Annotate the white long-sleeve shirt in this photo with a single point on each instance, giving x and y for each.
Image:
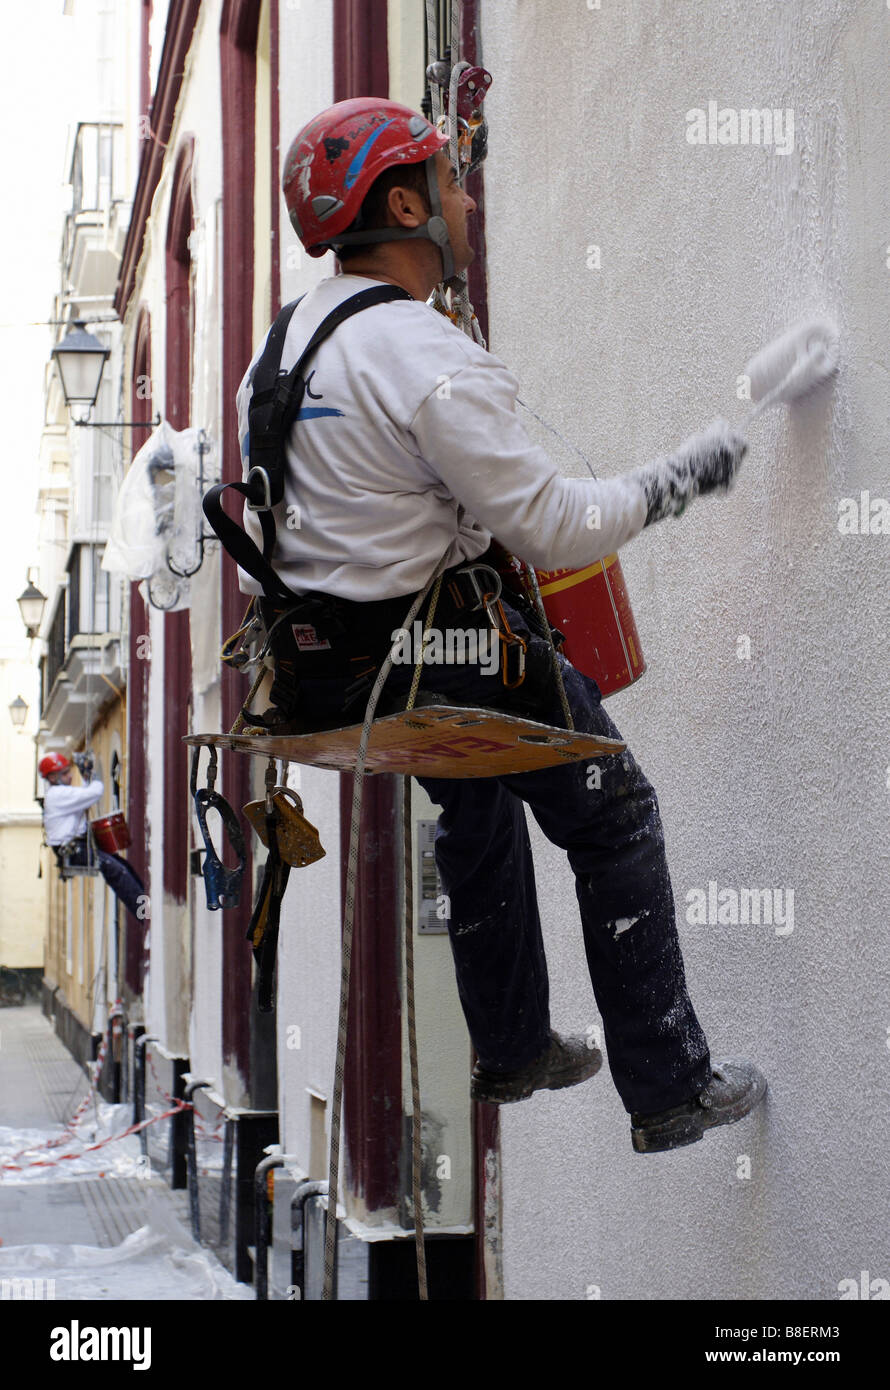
(63, 810)
(407, 444)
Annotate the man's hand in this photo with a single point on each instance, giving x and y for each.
(706, 462)
(84, 764)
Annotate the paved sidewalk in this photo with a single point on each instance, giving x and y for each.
(40, 1087)
(88, 1205)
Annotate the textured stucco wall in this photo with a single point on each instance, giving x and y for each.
(308, 969)
(184, 946)
(771, 771)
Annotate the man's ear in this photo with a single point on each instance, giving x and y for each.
(404, 200)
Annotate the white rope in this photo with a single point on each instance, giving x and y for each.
(453, 120)
(432, 54)
(416, 1107)
(457, 16)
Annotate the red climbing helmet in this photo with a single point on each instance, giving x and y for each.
(336, 157)
(53, 762)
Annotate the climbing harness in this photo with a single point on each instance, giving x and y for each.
(273, 410)
(222, 885)
(77, 858)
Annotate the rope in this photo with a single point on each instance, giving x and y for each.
(346, 951)
(432, 44)
(416, 1109)
(457, 14)
(415, 682)
(240, 720)
(453, 118)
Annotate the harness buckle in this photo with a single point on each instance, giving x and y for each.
(266, 504)
(487, 595)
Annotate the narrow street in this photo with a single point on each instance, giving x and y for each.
(96, 1226)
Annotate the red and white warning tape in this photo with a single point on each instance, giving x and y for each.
(71, 1126)
(88, 1148)
(200, 1126)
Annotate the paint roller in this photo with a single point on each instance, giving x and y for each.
(791, 366)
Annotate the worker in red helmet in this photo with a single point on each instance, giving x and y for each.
(404, 450)
(67, 829)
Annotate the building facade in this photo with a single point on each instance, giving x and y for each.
(614, 250)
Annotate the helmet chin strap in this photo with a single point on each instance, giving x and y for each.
(435, 230)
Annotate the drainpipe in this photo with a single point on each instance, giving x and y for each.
(192, 1158)
(139, 1085)
(302, 1195)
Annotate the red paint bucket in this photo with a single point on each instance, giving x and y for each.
(591, 607)
(111, 834)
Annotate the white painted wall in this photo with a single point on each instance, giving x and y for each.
(196, 948)
(772, 771)
(306, 86)
(308, 963)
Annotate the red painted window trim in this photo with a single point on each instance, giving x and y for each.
(177, 635)
(181, 18)
(239, 24)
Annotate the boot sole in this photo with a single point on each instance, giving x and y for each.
(492, 1090)
(688, 1129)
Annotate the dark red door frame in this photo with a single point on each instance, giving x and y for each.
(361, 51)
(239, 24)
(177, 636)
(275, 129)
(373, 1090)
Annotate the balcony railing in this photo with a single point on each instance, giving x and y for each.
(86, 606)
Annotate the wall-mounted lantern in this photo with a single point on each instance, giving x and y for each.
(80, 359)
(18, 712)
(31, 605)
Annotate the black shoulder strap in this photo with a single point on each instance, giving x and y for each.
(274, 403)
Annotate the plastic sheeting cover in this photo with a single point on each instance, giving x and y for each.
(157, 517)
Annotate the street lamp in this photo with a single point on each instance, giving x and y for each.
(18, 711)
(81, 360)
(32, 603)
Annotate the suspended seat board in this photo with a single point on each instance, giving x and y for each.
(430, 741)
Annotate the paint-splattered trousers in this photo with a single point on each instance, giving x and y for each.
(613, 838)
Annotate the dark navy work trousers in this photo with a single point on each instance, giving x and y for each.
(120, 876)
(610, 828)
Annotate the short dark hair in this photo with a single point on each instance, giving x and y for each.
(373, 210)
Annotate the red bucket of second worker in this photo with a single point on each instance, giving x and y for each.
(111, 834)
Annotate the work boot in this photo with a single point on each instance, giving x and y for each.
(564, 1063)
(735, 1087)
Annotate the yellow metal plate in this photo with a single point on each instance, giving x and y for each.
(434, 741)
